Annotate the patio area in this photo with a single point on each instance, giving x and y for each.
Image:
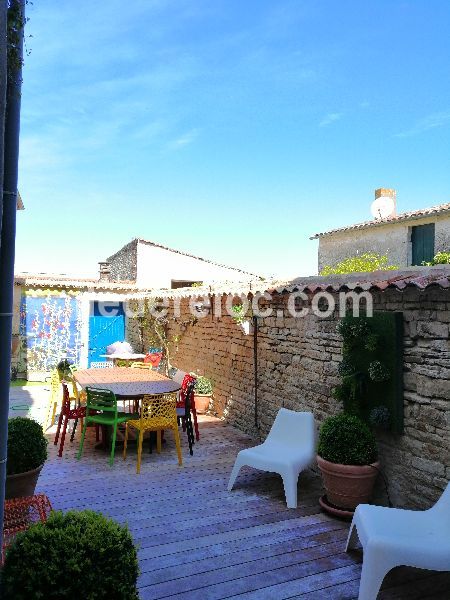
(197, 540)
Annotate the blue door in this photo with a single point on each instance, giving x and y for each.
(106, 326)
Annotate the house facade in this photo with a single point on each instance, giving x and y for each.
(152, 265)
(59, 317)
(407, 239)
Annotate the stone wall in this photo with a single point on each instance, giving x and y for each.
(297, 368)
(123, 264)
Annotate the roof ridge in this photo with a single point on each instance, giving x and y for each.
(418, 213)
(212, 262)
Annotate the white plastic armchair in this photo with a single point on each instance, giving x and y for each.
(289, 448)
(393, 537)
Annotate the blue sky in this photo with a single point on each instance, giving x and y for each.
(232, 130)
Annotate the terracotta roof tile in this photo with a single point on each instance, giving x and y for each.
(441, 209)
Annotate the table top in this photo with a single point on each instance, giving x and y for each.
(127, 382)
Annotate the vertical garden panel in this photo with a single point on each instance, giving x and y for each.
(372, 369)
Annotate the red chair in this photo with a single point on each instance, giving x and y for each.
(182, 399)
(79, 412)
(154, 358)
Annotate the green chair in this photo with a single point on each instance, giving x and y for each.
(101, 409)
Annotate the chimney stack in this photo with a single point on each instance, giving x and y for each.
(105, 271)
(386, 192)
(385, 204)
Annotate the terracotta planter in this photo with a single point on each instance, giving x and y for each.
(22, 484)
(202, 402)
(348, 485)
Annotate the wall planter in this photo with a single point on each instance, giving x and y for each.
(22, 484)
(246, 327)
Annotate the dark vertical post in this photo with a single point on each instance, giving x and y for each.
(8, 228)
(255, 364)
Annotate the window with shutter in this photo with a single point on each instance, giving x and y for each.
(422, 242)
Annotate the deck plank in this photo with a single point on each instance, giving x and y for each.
(197, 540)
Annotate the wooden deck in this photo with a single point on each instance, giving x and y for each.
(196, 540)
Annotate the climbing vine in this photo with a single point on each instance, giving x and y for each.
(154, 329)
(16, 25)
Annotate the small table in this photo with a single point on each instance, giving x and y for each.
(126, 382)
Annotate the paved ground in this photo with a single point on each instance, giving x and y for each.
(29, 401)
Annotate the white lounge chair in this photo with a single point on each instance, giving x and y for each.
(289, 448)
(392, 537)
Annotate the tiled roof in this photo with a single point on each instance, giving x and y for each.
(421, 278)
(221, 288)
(432, 211)
(417, 277)
(65, 281)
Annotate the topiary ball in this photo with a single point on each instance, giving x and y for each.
(72, 556)
(27, 445)
(346, 440)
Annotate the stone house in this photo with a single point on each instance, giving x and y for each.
(408, 239)
(152, 265)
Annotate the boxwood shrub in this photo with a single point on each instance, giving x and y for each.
(27, 445)
(203, 385)
(346, 440)
(79, 554)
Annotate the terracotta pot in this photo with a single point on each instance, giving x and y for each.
(348, 485)
(22, 484)
(202, 402)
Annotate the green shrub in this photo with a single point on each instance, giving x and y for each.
(346, 440)
(441, 258)
(71, 556)
(363, 263)
(27, 445)
(239, 313)
(63, 368)
(354, 330)
(378, 371)
(203, 385)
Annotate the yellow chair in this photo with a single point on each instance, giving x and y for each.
(55, 398)
(141, 365)
(157, 414)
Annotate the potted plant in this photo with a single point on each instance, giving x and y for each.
(240, 317)
(63, 368)
(202, 394)
(27, 452)
(347, 459)
(79, 554)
